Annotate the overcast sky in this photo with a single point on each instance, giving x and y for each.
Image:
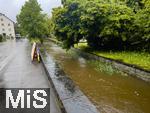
(12, 7)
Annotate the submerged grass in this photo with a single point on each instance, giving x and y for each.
(106, 68)
(140, 59)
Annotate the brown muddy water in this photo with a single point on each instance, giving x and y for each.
(111, 93)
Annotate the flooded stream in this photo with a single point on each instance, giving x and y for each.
(111, 93)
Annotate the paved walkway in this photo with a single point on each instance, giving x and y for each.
(17, 70)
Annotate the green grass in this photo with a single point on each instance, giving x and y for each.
(140, 59)
(32, 40)
(81, 45)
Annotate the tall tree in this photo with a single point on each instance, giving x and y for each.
(104, 24)
(31, 20)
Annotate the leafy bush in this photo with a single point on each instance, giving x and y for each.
(142, 34)
(107, 25)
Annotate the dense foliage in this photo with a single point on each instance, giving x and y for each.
(31, 21)
(105, 25)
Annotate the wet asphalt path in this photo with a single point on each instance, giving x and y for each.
(17, 70)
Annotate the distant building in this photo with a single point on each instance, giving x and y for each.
(7, 26)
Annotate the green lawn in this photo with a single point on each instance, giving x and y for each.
(141, 59)
(36, 40)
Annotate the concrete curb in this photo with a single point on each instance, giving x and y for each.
(70, 98)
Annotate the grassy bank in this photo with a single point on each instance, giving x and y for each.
(140, 59)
